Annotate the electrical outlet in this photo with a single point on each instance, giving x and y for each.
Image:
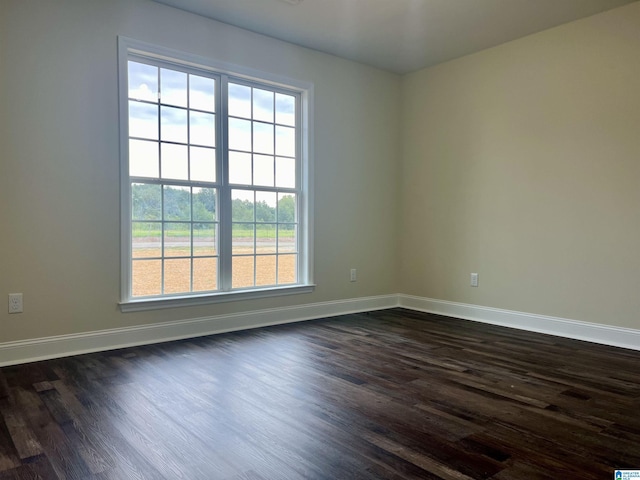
(474, 279)
(354, 276)
(15, 303)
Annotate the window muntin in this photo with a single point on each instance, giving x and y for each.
(181, 243)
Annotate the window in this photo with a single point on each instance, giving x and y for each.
(215, 182)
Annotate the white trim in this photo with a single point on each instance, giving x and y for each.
(125, 187)
(24, 351)
(156, 303)
(138, 47)
(562, 327)
(306, 205)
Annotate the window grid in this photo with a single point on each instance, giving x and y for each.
(280, 256)
(276, 250)
(255, 254)
(165, 227)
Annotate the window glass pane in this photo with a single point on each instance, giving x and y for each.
(266, 270)
(286, 208)
(143, 82)
(146, 202)
(146, 240)
(177, 275)
(205, 274)
(286, 238)
(242, 272)
(203, 164)
(143, 159)
(203, 129)
(175, 163)
(143, 120)
(239, 100)
(202, 93)
(265, 238)
(173, 127)
(262, 105)
(204, 204)
(266, 203)
(285, 172)
(240, 168)
(242, 206)
(239, 134)
(263, 170)
(287, 266)
(285, 109)
(262, 138)
(173, 87)
(204, 239)
(177, 239)
(286, 141)
(177, 203)
(243, 238)
(146, 277)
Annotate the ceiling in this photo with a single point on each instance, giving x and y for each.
(396, 35)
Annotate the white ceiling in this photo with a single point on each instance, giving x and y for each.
(396, 35)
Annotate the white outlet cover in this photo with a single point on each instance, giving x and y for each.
(15, 303)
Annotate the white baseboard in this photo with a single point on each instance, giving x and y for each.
(24, 351)
(590, 332)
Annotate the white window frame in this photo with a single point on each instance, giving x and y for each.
(127, 47)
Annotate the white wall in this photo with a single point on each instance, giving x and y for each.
(59, 183)
(522, 163)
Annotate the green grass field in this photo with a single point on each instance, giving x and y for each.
(142, 232)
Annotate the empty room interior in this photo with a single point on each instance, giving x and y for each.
(323, 239)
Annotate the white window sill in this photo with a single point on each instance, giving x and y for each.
(157, 303)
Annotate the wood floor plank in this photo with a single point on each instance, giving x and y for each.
(59, 449)
(4, 386)
(22, 436)
(393, 394)
(8, 454)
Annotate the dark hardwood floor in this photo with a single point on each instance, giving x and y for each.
(387, 395)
